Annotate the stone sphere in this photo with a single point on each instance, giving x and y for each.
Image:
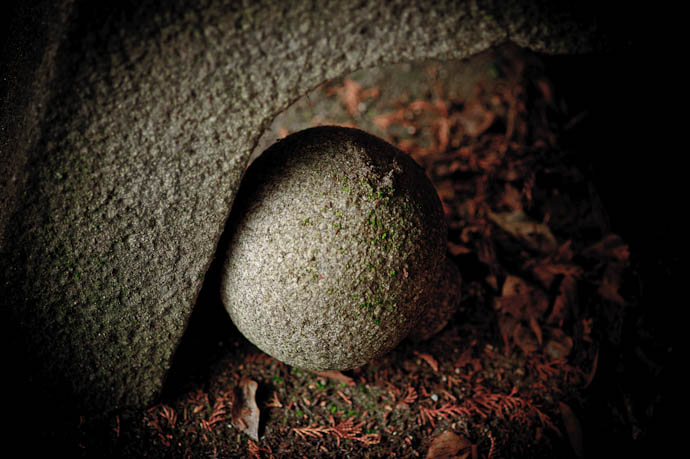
(337, 247)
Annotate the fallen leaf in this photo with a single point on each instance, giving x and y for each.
(507, 325)
(475, 119)
(546, 91)
(590, 376)
(565, 251)
(447, 445)
(524, 339)
(336, 376)
(445, 190)
(458, 249)
(513, 305)
(421, 105)
(559, 345)
(534, 326)
(511, 197)
(611, 282)
(490, 280)
(521, 300)
(547, 271)
(514, 285)
(610, 246)
(370, 93)
(428, 359)
(443, 126)
(536, 236)
(514, 297)
(384, 120)
(565, 302)
(351, 94)
(409, 146)
(573, 429)
(245, 412)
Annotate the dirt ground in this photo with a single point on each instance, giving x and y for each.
(537, 361)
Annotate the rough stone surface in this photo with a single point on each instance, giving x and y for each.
(338, 244)
(126, 128)
(444, 303)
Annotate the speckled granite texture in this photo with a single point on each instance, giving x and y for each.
(444, 303)
(125, 129)
(338, 244)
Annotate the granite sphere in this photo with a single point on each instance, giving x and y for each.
(337, 247)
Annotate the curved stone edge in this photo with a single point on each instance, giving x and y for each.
(112, 214)
(438, 314)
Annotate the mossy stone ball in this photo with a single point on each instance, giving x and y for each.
(337, 245)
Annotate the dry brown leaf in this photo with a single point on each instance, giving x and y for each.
(513, 285)
(573, 429)
(521, 306)
(565, 302)
(491, 281)
(428, 359)
(534, 326)
(443, 134)
(590, 376)
(441, 107)
(370, 93)
(565, 251)
(514, 297)
(546, 91)
(384, 120)
(521, 300)
(448, 445)
(506, 326)
(409, 146)
(536, 236)
(458, 249)
(610, 246)
(538, 303)
(524, 339)
(468, 232)
(445, 190)
(546, 271)
(349, 95)
(611, 282)
(511, 197)
(245, 412)
(475, 119)
(514, 305)
(336, 376)
(559, 344)
(421, 105)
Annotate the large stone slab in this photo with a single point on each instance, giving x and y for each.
(125, 133)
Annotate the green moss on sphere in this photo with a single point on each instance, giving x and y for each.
(338, 244)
